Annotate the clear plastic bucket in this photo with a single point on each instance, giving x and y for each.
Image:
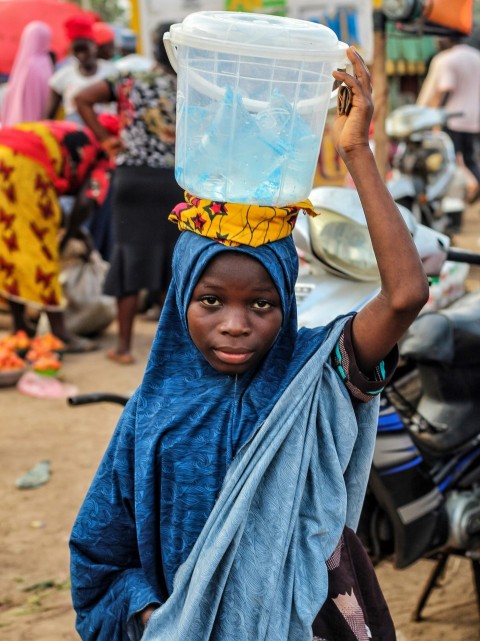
(253, 96)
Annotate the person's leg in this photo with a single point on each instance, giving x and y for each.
(469, 154)
(20, 322)
(464, 144)
(73, 343)
(57, 326)
(126, 310)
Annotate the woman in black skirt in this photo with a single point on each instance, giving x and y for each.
(144, 187)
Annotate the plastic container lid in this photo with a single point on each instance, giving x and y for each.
(255, 34)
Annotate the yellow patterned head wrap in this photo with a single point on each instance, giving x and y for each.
(236, 224)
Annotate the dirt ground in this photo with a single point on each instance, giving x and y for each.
(35, 524)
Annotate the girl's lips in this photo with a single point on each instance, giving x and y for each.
(232, 357)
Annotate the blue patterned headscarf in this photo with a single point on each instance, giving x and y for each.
(192, 255)
(199, 457)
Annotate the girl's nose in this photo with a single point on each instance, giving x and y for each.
(235, 322)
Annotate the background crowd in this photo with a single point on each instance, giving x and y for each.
(115, 198)
(105, 98)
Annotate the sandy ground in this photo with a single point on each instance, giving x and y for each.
(35, 524)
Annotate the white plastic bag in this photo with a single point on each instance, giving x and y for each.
(89, 311)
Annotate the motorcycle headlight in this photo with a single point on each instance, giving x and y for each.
(343, 245)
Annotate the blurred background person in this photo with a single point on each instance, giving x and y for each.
(104, 37)
(144, 185)
(85, 70)
(427, 95)
(38, 162)
(127, 42)
(453, 82)
(100, 225)
(27, 91)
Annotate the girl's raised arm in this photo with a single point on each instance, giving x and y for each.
(404, 287)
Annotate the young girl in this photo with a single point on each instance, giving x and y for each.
(220, 508)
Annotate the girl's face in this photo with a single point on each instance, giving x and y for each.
(235, 313)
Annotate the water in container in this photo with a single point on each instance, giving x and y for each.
(253, 95)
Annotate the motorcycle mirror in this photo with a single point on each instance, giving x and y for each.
(346, 202)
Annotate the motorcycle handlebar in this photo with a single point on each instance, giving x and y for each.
(97, 397)
(463, 256)
(455, 114)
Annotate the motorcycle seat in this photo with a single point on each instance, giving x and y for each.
(449, 336)
(451, 423)
(445, 347)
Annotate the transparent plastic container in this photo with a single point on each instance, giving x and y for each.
(253, 96)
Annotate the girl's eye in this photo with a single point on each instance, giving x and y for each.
(210, 301)
(262, 304)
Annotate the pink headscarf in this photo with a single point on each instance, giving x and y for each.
(27, 91)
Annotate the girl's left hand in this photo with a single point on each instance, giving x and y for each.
(350, 132)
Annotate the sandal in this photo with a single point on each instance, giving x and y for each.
(122, 359)
(79, 345)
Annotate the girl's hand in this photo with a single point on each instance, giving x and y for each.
(350, 132)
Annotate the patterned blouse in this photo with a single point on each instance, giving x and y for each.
(146, 107)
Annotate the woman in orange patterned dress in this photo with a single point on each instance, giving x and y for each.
(39, 162)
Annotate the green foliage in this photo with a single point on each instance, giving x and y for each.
(108, 10)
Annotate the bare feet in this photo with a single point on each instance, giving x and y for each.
(124, 358)
(79, 345)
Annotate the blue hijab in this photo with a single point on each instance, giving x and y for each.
(193, 452)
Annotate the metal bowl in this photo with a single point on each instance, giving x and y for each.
(10, 377)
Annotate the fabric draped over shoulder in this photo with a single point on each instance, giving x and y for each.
(221, 497)
(257, 571)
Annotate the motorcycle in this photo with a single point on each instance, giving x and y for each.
(423, 497)
(425, 175)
